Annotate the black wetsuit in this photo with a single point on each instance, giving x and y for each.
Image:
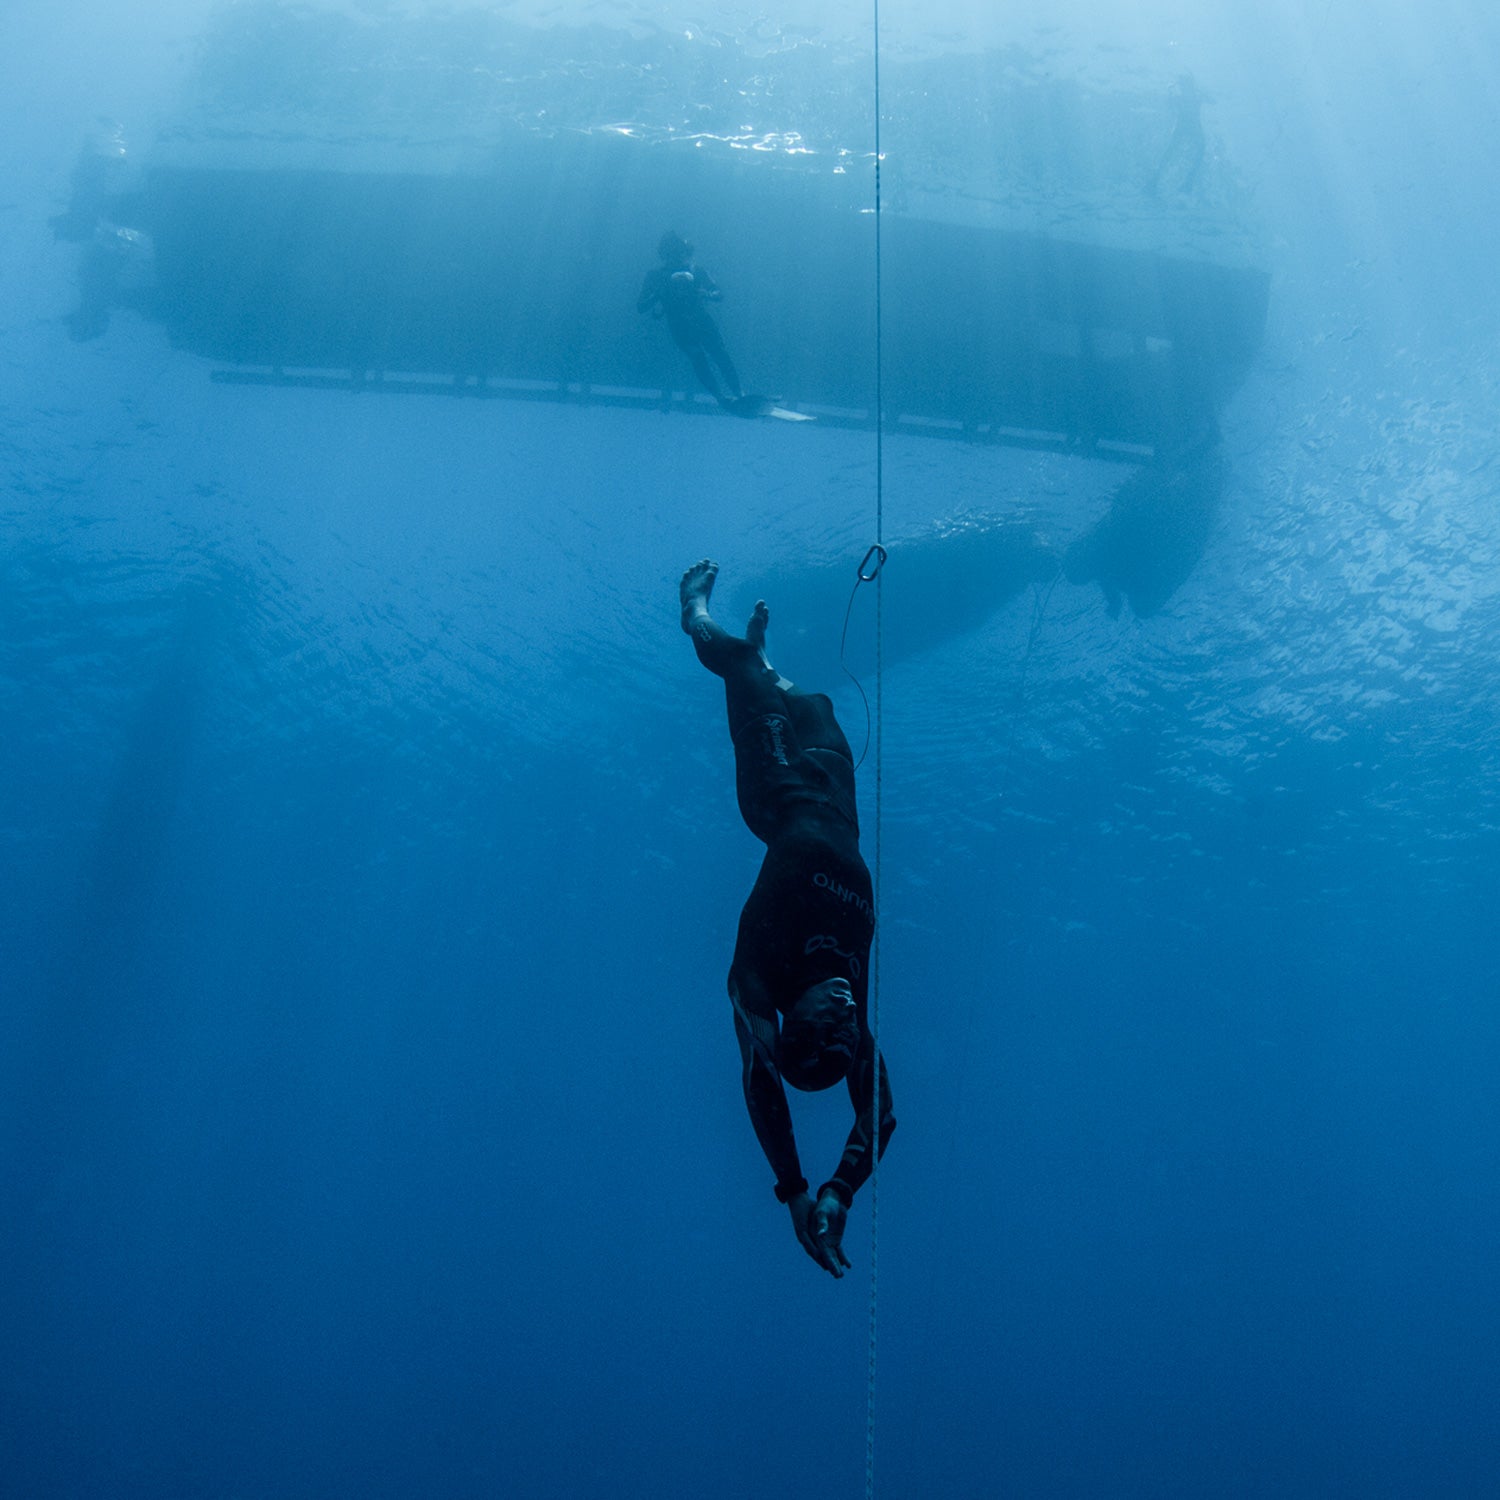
(811, 914)
(678, 293)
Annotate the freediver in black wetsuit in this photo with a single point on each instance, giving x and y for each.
(677, 291)
(799, 981)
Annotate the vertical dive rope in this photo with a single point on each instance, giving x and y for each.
(876, 552)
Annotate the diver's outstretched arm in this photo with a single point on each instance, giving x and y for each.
(765, 1098)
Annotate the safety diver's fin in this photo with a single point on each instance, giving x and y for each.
(764, 406)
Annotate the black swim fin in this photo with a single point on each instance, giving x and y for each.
(764, 406)
(750, 406)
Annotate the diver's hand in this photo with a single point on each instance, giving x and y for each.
(828, 1220)
(802, 1211)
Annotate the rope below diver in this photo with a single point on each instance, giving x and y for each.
(875, 1093)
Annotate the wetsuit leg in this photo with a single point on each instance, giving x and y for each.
(689, 337)
(705, 374)
(823, 742)
(750, 682)
(713, 342)
(771, 774)
(817, 729)
(753, 687)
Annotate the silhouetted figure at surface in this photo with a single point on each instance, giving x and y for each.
(1182, 160)
(116, 264)
(1152, 537)
(98, 178)
(678, 291)
(799, 981)
(116, 269)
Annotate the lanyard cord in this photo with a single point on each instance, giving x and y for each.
(877, 551)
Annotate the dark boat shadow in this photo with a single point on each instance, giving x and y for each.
(1152, 537)
(942, 585)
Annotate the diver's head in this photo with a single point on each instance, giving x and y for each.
(819, 1036)
(673, 249)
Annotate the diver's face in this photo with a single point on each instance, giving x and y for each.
(830, 1000)
(830, 1008)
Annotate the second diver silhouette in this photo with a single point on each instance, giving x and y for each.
(679, 291)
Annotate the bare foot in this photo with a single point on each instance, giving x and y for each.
(755, 631)
(696, 589)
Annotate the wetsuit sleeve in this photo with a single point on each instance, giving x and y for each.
(765, 1097)
(708, 288)
(856, 1162)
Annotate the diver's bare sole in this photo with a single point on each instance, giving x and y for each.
(755, 631)
(696, 589)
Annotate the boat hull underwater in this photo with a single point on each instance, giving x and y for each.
(1079, 280)
(523, 283)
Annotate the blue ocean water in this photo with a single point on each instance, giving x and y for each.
(369, 1108)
